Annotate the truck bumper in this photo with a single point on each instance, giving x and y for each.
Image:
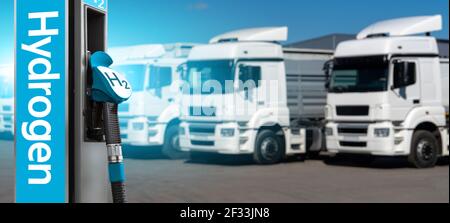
(140, 132)
(344, 141)
(207, 137)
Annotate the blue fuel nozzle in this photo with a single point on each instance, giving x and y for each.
(108, 84)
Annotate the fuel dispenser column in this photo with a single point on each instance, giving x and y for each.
(89, 179)
(65, 126)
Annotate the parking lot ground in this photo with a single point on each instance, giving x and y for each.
(6, 171)
(152, 178)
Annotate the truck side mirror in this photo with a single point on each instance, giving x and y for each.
(404, 74)
(328, 70)
(182, 69)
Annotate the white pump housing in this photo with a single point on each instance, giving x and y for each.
(403, 26)
(267, 34)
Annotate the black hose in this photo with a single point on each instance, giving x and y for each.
(113, 141)
(119, 193)
(111, 122)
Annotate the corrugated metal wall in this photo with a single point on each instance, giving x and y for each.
(306, 91)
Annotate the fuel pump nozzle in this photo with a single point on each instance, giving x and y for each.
(111, 88)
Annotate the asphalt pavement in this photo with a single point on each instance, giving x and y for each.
(153, 178)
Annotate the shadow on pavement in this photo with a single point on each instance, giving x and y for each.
(235, 160)
(349, 160)
(364, 161)
(443, 161)
(220, 159)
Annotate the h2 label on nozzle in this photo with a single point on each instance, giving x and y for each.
(117, 82)
(108, 84)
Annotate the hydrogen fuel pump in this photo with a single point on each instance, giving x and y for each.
(110, 88)
(65, 109)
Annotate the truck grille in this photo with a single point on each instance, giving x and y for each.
(358, 131)
(352, 110)
(202, 143)
(7, 108)
(123, 122)
(210, 130)
(202, 112)
(353, 144)
(353, 129)
(123, 125)
(8, 119)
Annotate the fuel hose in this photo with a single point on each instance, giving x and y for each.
(115, 157)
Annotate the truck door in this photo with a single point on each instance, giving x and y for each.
(405, 87)
(248, 83)
(160, 81)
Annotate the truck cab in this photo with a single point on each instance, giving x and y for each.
(235, 98)
(7, 99)
(388, 93)
(151, 117)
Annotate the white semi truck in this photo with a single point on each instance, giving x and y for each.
(388, 93)
(151, 117)
(245, 94)
(7, 99)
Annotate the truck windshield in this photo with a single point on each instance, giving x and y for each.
(135, 74)
(160, 77)
(6, 89)
(363, 74)
(217, 73)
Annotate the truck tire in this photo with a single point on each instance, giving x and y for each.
(269, 150)
(171, 147)
(424, 150)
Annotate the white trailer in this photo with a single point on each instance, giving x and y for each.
(7, 99)
(151, 117)
(388, 93)
(245, 94)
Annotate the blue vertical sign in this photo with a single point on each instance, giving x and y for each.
(98, 4)
(41, 137)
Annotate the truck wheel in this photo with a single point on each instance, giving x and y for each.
(171, 147)
(424, 150)
(269, 149)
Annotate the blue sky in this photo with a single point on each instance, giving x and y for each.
(165, 21)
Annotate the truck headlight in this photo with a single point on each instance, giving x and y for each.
(152, 133)
(329, 131)
(227, 132)
(138, 126)
(382, 132)
(243, 140)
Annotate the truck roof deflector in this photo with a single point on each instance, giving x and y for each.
(149, 51)
(404, 26)
(268, 34)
